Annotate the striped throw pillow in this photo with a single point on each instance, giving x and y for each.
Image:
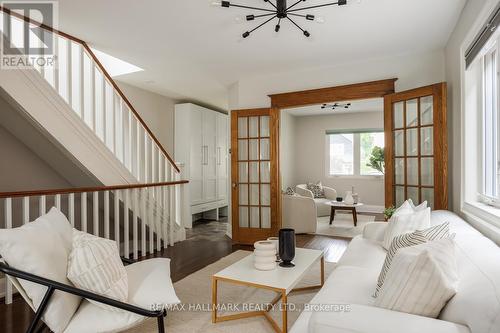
(94, 264)
(421, 280)
(415, 238)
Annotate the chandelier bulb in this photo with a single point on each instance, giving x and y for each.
(216, 3)
(319, 19)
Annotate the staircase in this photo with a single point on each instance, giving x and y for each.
(81, 107)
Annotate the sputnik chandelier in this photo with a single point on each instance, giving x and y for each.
(280, 11)
(336, 106)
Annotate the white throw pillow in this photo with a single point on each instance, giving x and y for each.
(421, 279)
(95, 265)
(410, 239)
(404, 221)
(420, 207)
(42, 248)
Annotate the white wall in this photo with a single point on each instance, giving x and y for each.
(310, 156)
(156, 110)
(473, 16)
(287, 149)
(22, 170)
(412, 70)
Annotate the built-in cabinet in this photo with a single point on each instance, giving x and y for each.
(201, 144)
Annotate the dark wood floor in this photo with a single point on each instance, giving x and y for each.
(205, 244)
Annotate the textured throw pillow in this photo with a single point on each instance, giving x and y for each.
(421, 280)
(316, 189)
(95, 265)
(42, 248)
(405, 222)
(289, 191)
(410, 239)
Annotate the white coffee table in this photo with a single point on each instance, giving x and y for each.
(281, 280)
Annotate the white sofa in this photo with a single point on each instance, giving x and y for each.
(321, 208)
(299, 213)
(475, 308)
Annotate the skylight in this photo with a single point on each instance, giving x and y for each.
(115, 66)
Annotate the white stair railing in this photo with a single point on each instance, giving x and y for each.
(91, 93)
(106, 212)
(83, 82)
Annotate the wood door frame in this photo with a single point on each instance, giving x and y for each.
(357, 91)
(440, 138)
(256, 234)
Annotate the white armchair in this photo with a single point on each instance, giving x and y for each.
(321, 208)
(299, 213)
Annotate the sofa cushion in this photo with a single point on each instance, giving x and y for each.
(369, 319)
(94, 264)
(477, 301)
(364, 253)
(422, 279)
(42, 248)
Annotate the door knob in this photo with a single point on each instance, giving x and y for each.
(235, 185)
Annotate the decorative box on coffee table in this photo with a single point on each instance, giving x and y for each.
(281, 280)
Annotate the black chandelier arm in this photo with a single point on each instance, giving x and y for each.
(295, 24)
(248, 7)
(260, 25)
(271, 3)
(297, 15)
(295, 4)
(312, 7)
(263, 15)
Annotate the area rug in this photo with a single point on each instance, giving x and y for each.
(343, 225)
(195, 293)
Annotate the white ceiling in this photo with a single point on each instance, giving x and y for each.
(189, 49)
(364, 105)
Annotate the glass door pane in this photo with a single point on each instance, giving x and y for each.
(254, 188)
(413, 145)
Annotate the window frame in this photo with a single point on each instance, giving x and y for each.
(356, 153)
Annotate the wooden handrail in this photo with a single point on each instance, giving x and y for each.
(86, 189)
(104, 71)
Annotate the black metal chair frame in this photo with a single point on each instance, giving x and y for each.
(54, 285)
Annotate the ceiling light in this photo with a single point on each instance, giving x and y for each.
(279, 9)
(335, 106)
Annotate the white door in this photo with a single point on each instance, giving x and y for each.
(222, 163)
(196, 157)
(209, 134)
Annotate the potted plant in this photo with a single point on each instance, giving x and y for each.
(388, 212)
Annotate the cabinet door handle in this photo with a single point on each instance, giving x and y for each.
(206, 155)
(218, 156)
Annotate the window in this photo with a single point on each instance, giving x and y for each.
(349, 152)
(490, 123)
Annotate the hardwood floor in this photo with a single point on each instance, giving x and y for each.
(205, 244)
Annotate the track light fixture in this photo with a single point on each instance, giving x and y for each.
(280, 10)
(335, 106)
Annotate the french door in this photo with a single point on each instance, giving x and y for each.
(416, 150)
(253, 175)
